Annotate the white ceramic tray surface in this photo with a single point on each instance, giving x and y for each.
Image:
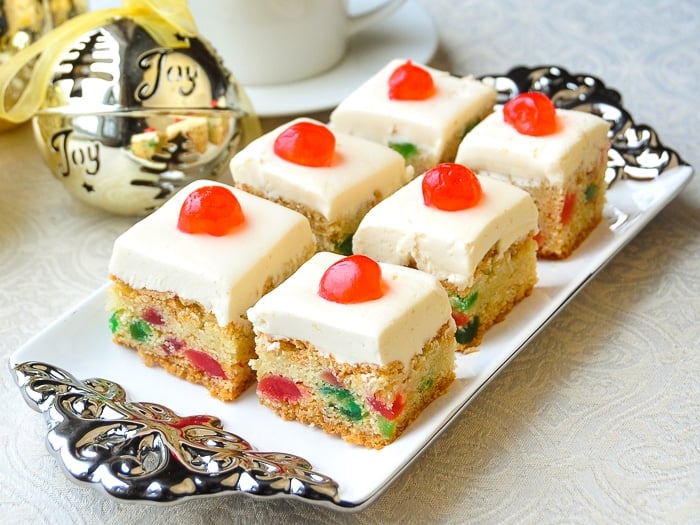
(128, 449)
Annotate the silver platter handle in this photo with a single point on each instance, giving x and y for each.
(144, 451)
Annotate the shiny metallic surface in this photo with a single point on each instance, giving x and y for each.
(146, 452)
(635, 153)
(23, 23)
(127, 122)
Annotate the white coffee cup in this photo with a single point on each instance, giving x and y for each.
(266, 42)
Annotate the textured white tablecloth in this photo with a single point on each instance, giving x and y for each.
(597, 421)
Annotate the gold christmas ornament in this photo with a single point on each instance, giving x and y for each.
(23, 22)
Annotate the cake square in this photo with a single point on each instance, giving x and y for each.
(425, 132)
(363, 371)
(180, 299)
(333, 197)
(146, 144)
(484, 255)
(195, 129)
(564, 172)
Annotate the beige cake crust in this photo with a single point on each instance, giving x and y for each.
(185, 326)
(330, 235)
(423, 160)
(342, 398)
(500, 282)
(586, 199)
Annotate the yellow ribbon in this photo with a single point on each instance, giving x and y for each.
(162, 19)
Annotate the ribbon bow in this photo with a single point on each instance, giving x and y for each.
(164, 20)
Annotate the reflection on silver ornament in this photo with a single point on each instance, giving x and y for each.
(127, 122)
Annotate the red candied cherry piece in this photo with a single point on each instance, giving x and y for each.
(531, 114)
(210, 209)
(567, 210)
(153, 316)
(279, 388)
(307, 144)
(538, 238)
(172, 345)
(188, 421)
(205, 363)
(352, 279)
(329, 377)
(389, 412)
(410, 82)
(451, 187)
(461, 319)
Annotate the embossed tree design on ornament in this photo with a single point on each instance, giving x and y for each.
(170, 157)
(81, 63)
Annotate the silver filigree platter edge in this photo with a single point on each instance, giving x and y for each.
(146, 452)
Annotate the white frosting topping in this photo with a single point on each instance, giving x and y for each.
(360, 170)
(447, 244)
(579, 143)
(429, 124)
(227, 274)
(394, 327)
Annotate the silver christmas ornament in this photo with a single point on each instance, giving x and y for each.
(126, 122)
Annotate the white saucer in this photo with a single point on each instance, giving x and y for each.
(408, 33)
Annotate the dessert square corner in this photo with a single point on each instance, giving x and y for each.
(424, 131)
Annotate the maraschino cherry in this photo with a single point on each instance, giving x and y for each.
(450, 187)
(210, 209)
(410, 82)
(531, 114)
(352, 279)
(307, 144)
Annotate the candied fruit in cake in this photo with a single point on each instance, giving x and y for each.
(531, 114)
(210, 209)
(354, 279)
(306, 143)
(451, 187)
(410, 82)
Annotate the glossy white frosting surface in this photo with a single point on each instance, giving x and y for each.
(447, 244)
(494, 146)
(227, 274)
(360, 169)
(429, 124)
(394, 327)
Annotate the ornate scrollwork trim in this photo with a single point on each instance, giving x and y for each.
(144, 451)
(636, 153)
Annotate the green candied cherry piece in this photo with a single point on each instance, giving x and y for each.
(426, 384)
(386, 427)
(114, 321)
(464, 303)
(140, 330)
(590, 192)
(406, 149)
(343, 400)
(345, 246)
(465, 334)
